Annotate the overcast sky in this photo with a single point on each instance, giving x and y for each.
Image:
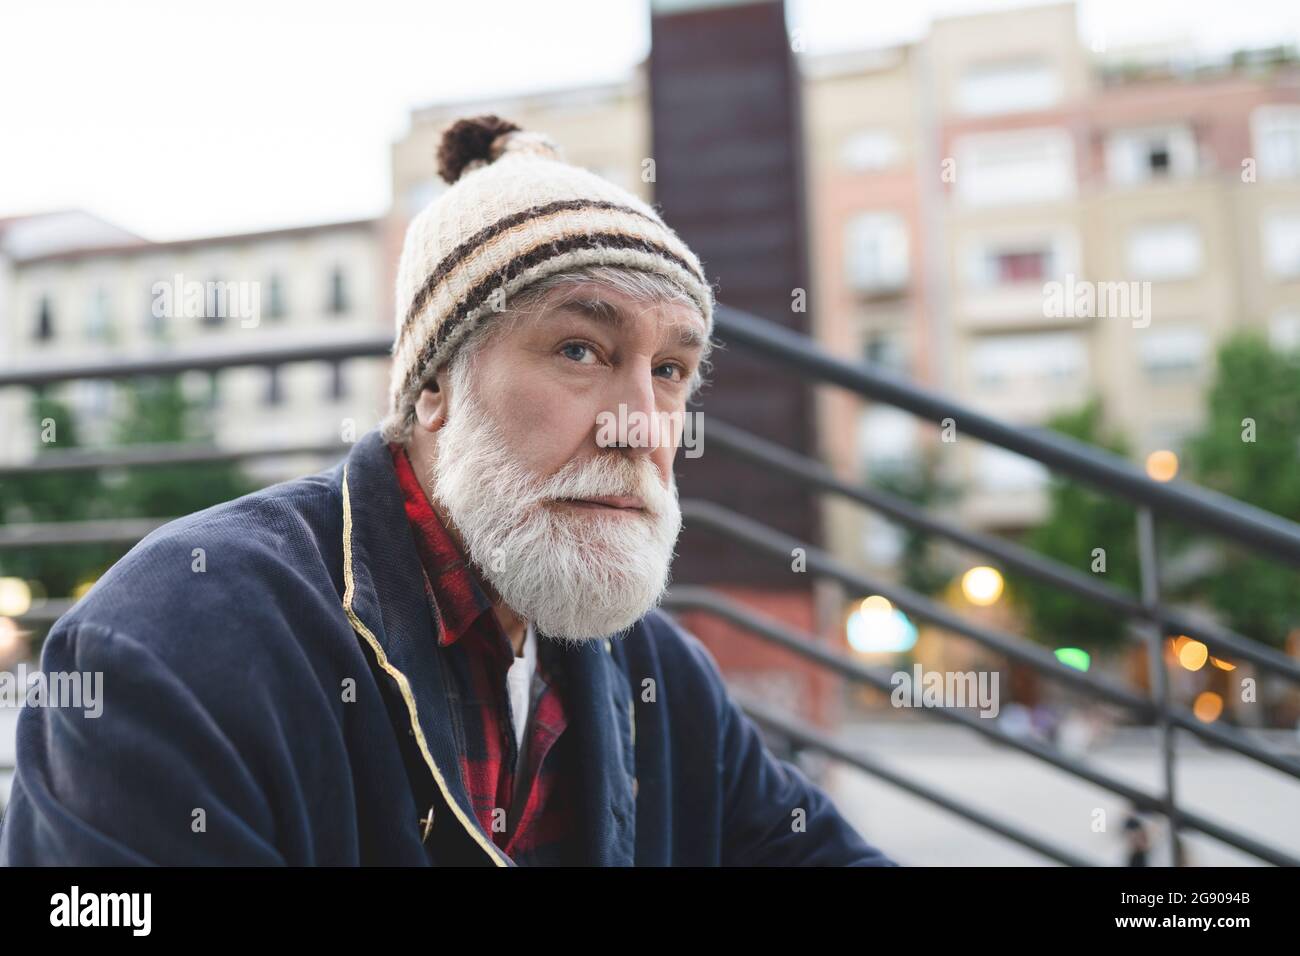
(176, 118)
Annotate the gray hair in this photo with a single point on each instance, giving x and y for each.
(637, 284)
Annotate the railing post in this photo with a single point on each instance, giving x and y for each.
(1149, 563)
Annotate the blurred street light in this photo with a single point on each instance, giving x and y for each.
(1074, 657)
(1162, 465)
(1208, 707)
(877, 627)
(1192, 654)
(15, 597)
(982, 586)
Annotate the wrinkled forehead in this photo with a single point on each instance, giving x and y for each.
(680, 321)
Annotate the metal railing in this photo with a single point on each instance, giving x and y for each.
(1239, 522)
(1147, 618)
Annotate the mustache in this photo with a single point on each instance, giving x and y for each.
(609, 475)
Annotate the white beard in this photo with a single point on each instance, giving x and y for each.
(576, 574)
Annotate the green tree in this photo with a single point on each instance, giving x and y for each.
(1249, 448)
(1079, 521)
(51, 497)
(154, 410)
(157, 411)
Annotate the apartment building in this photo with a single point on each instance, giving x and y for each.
(867, 154)
(967, 188)
(1172, 183)
(98, 295)
(1010, 91)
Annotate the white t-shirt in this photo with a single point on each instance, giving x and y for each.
(519, 681)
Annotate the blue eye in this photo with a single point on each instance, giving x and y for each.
(672, 367)
(568, 350)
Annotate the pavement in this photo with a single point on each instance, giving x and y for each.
(1053, 804)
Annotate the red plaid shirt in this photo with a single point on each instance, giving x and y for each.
(540, 827)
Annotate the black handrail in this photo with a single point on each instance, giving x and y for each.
(760, 537)
(152, 455)
(1236, 521)
(696, 598)
(809, 738)
(1240, 522)
(36, 374)
(1222, 641)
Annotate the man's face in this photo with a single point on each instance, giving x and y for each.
(571, 522)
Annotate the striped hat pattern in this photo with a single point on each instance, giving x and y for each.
(515, 212)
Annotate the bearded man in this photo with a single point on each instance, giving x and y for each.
(444, 650)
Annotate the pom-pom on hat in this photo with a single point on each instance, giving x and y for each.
(515, 212)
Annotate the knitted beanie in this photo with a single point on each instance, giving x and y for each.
(515, 213)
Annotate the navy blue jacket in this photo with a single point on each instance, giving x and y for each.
(275, 698)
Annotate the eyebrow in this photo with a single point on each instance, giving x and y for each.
(607, 313)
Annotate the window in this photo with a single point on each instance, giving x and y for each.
(1020, 261)
(1008, 88)
(886, 437)
(99, 325)
(1165, 251)
(1020, 166)
(1276, 132)
(93, 402)
(1000, 470)
(216, 302)
(1023, 266)
(1157, 159)
(276, 307)
(44, 320)
(155, 317)
(274, 388)
(870, 150)
(883, 544)
(886, 350)
(1028, 266)
(1282, 244)
(1172, 354)
(338, 292)
(1142, 155)
(877, 252)
(1041, 360)
(338, 385)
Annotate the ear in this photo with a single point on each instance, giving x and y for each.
(431, 406)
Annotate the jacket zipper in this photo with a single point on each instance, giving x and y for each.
(403, 685)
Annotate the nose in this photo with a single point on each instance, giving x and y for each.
(632, 411)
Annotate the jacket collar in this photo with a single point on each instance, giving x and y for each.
(384, 598)
(456, 594)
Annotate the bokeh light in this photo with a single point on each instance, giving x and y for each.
(15, 597)
(1075, 657)
(1208, 707)
(1193, 654)
(982, 586)
(1162, 465)
(877, 627)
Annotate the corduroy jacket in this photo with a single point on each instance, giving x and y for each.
(270, 696)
